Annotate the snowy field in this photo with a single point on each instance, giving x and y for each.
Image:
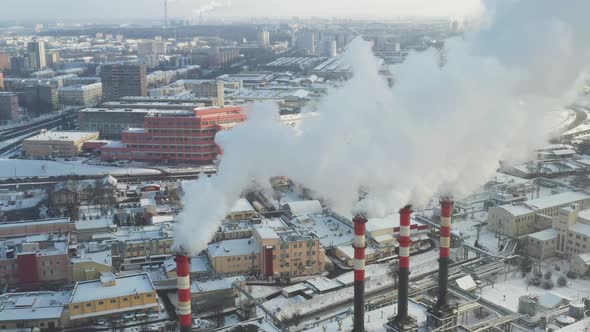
(11, 168)
(506, 292)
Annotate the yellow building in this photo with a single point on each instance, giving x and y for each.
(90, 265)
(272, 252)
(57, 143)
(112, 296)
(242, 210)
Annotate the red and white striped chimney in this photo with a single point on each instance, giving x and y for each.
(446, 212)
(183, 269)
(404, 264)
(359, 273)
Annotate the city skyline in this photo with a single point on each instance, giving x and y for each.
(153, 9)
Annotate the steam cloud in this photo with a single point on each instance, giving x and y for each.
(439, 130)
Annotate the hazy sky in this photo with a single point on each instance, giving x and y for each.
(105, 9)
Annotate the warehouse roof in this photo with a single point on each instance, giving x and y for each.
(32, 305)
(233, 247)
(62, 136)
(124, 286)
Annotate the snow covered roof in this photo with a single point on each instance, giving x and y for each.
(323, 284)
(100, 257)
(551, 300)
(545, 235)
(582, 325)
(242, 205)
(33, 305)
(557, 200)
(585, 258)
(147, 201)
(234, 247)
(215, 285)
(266, 232)
(517, 210)
(304, 208)
(63, 136)
(580, 228)
(124, 286)
(466, 283)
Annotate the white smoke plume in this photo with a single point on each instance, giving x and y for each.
(211, 6)
(438, 131)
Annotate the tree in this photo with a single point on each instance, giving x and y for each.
(562, 281)
(548, 275)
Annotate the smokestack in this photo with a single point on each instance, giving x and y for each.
(359, 273)
(165, 13)
(404, 264)
(446, 212)
(183, 268)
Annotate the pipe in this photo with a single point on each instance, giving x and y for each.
(446, 212)
(404, 263)
(183, 268)
(359, 246)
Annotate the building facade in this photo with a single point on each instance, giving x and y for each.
(9, 109)
(183, 136)
(37, 54)
(41, 98)
(81, 95)
(110, 123)
(119, 80)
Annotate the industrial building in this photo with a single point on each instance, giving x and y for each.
(112, 296)
(24, 311)
(534, 215)
(181, 136)
(57, 143)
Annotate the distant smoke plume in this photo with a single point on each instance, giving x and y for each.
(439, 130)
(211, 6)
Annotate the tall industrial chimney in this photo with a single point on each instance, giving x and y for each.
(359, 273)
(183, 269)
(404, 264)
(165, 13)
(446, 212)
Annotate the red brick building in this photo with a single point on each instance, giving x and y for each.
(182, 136)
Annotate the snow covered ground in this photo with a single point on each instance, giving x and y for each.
(11, 168)
(506, 292)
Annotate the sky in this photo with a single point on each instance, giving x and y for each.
(32, 10)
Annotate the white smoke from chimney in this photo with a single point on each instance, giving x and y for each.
(439, 130)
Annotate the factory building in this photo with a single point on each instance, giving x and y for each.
(182, 136)
(274, 252)
(26, 311)
(112, 296)
(57, 143)
(532, 216)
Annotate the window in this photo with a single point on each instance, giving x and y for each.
(125, 299)
(76, 306)
(88, 304)
(113, 301)
(149, 295)
(100, 302)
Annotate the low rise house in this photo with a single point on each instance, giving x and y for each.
(580, 264)
(242, 210)
(90, 262)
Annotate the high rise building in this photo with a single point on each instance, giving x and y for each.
(263, 38)
(120, 80)
(4, 61)
(306, 42)
(37, 54)
(41, 98)
(9, 109)
(21, 64)
(149, 47)
(52, 58)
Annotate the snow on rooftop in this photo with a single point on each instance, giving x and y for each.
(580, 228)
(62, 136)
(323, 284)
(266, 232)
(557, 200)
(215, 285)
(242, 205)
(124, 286)
(100, 257)
(233, 247)
(304, 208)
(517, 210)
(33, 305)
(545, 235)
(15, 168)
